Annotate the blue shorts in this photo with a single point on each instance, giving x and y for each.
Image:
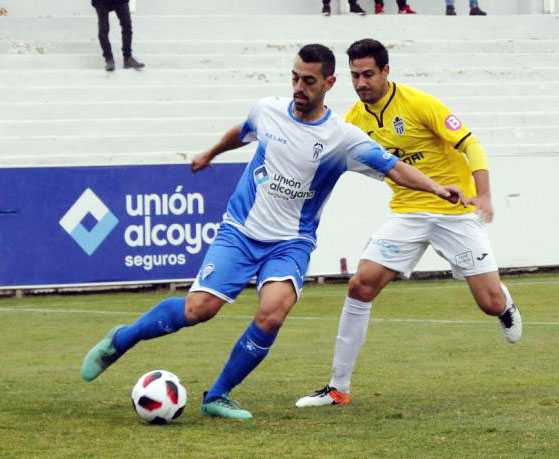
(234, 259)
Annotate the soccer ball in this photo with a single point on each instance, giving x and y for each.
(159, 397)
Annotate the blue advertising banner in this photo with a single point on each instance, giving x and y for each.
(82, 225)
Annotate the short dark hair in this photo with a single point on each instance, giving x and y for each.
(319, 53)
(369, 48)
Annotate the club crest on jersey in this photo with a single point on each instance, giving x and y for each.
(317, 150)
(399, 126)
(260, 175)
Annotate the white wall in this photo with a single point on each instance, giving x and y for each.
(524, 232)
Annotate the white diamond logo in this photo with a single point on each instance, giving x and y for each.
(88, 203)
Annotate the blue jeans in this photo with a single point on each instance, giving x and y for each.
(473, 3)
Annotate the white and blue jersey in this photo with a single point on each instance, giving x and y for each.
(283, 189)
(273, 214)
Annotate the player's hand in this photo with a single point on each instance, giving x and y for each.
(201, 161)
(453, 194)
(484, 207)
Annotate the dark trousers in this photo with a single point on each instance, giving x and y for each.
(123, 14)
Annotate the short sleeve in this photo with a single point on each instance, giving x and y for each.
(249, 127)
(366, 156)
(440, 120)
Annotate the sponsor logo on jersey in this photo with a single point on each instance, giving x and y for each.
(408, 158)
(276, 138)
(399, 126)
(452, 123)
(281, 187)
(288, 188)
(260, 175)
(317, 150)
(483, 255)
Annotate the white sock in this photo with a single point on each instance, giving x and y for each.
(508, 297)
(352, 331)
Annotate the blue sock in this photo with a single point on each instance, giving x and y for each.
(249, 351)
(167, 317)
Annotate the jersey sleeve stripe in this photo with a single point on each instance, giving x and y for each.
(462, 140)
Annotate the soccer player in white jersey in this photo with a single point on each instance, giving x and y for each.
(269, 230)
(422, 131)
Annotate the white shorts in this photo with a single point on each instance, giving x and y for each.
(460, 239)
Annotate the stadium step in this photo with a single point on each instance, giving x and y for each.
(230, 107)
(213, 62)
(60, 103)
(212, 124)
(276, 76)
(175, 141)
(121, 90)
(278, 47)
(308, 29)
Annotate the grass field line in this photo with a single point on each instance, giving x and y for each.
(249, 296)
(246, 317)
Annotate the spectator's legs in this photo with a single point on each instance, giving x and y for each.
(103, 23)
(450, 11)
(123, 13)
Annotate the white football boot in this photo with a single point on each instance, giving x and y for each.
(324, 397)
(511, 322)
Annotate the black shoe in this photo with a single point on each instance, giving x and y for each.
(477, 12)
(131, 63)
(109, 64)
(326, 9)
(450, 11)
(354, 8)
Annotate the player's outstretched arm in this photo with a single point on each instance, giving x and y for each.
(408, 176)
(230, 140)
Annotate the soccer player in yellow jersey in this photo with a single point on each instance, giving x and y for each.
(423, 132)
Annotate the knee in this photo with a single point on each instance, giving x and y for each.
(361, 288)
(270, 323)
(201, 308)
(492, 302)
(271, 319)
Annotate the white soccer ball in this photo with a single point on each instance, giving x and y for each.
(159, 397)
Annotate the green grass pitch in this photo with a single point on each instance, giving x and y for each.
(434, 379)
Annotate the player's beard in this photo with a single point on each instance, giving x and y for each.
(304, 107)
(369, 96)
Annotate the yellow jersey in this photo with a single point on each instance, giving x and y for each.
(423, 132)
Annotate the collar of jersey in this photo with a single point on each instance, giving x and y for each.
(382, 102)
(310, 123)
